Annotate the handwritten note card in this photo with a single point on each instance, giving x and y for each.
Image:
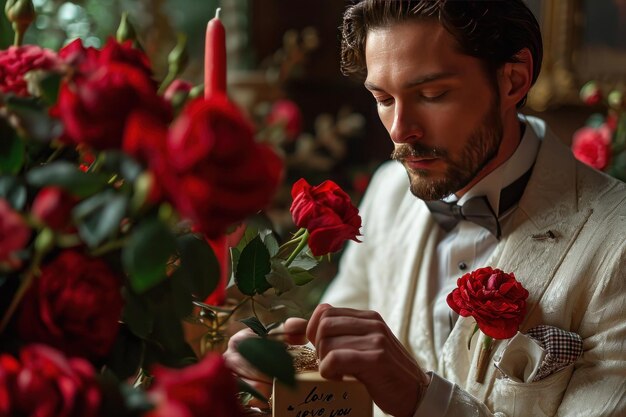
(315, 396)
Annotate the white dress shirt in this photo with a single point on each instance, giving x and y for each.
(465, 248)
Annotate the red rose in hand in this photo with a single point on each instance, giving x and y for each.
(593, 146)
(16, 61)
(53, 207)
(327, 213)
(14, 235)
(494, 298)
(43, 383)
(74, 305)
(191, 391)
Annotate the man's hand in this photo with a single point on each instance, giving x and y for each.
(359, 343)
(292, 332)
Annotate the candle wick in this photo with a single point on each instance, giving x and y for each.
(217, 12)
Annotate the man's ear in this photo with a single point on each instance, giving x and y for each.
(516, 78)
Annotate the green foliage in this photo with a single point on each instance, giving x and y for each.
(253, 266)
(270, 357)
(147, 253)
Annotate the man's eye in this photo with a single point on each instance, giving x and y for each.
(386, 102)
(433, 96)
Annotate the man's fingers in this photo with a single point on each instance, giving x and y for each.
(295, 331)
(311, 329)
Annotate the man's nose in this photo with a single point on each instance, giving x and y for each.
(405, 127)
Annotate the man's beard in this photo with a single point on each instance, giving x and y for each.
(481, 148)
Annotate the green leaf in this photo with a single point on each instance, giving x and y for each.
(305, 261)
(146, 255)
(13, 191)
(121, 163)
(67, 176)
(235, 254)
(199, 268)
(49, 84)
(12, 150)
(137, 314)
(99, 216)
(253, 266)
(125, 357)
(248, 235)
(34, 118)
(469, 340)
(271, 244)
(182, 298)
(270, 357)
(245, 387)
(256, 325)
(279, 277)
(300, 276)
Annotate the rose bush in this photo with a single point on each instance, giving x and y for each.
(327, 213)
(110, 200)
(495, 299)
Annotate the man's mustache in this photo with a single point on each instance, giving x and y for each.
(416, 150)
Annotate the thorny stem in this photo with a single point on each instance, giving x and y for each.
(33, 271)
(109, 246)
(303, 241)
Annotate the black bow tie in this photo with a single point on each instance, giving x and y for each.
(477, 209)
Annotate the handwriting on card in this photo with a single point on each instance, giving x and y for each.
(318, 404)
(322, 398)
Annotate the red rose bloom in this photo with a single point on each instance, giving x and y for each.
(94, 108)
(16, 61)
(53, 207)
(74, 305)
(107, 87)
(14, 235)
(43, 383)
(593, 146)
(87, 60)
(327, 213)
(494, 298)
(191, 391)
(208, 164)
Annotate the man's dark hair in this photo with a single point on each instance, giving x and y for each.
(493, 31)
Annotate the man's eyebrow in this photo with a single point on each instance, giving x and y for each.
(418, 81)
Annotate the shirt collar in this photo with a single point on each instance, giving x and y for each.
(517, 165)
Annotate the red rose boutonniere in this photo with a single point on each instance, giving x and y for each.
(496, 300)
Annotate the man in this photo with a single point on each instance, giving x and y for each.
(448, 78)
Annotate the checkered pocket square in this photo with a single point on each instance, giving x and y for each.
(562, 348)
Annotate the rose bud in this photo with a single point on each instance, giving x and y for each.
(286, 113)
(590, 93)
(53, 207)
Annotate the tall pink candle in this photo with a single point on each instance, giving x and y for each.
(215, 57)
(215, 83)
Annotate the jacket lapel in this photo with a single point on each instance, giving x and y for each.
(536, 240)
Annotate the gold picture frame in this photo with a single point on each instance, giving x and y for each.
(569, 59)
